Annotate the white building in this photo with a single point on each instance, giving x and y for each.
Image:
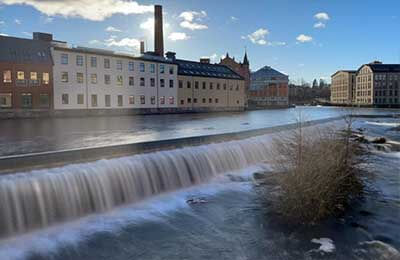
(87, 78)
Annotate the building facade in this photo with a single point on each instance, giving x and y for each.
(343, 87)
(241, 68)
(95, 79)
(378, 84)
(26, 81)
(209, 87)
(269, 88)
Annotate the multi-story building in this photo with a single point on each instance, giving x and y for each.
(241, 68)
(26, 66)
(203, 86)
(95, 79)
(269, 87)
(343, 87)
(378, 84)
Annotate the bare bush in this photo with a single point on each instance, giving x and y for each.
(319, 173)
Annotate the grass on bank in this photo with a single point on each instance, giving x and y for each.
(318, 173)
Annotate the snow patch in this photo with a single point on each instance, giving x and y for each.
(327, 245)
(383, 124)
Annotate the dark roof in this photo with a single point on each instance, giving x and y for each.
(18, 50)
(349, 71)
(383, 67)
(266, 72)
(198, 69)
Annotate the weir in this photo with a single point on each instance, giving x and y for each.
(40, 198)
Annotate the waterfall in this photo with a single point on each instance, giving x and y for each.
(40, 198)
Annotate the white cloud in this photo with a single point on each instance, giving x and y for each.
(258, 37)
(322, 16)
(3, 34)
(304, 38)
(125, 42)
(17, 21)
(276, 43)
(97, 10)
(213, 58)
(191, 19)
(149, 25)
(2, 22)
(95, 42)
(319, 25)
(178, 36)
(27, 34)
(48, 20)
(112, 29)
(234, 19)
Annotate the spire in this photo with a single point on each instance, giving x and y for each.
(245, 60)
(227, 55)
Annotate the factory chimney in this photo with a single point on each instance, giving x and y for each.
(158, 31)
(142, 50)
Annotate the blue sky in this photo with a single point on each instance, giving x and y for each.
(302, 38)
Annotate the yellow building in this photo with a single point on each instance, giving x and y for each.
(203, 86)
(343, 86)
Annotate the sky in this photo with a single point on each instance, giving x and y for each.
(305, 39)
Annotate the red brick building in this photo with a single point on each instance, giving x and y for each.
(26, 78)
(241, 68)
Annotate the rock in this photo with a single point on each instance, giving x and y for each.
(327, 245)
(379, 250)
(196, 201)
(379, 140)
(361, 139)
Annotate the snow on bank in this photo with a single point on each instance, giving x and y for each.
(383, 124)
(327, 245)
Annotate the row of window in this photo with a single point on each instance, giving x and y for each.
(189, 101)
(383, 100)
(383, 93)
(119, 64)
(120, 100)
(6, 100)
(204, 85)
(33, 75)
(120, 80)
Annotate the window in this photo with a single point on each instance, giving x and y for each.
(20, 75)
(153, 100)
(152, 68)
(5, 100)
(44, 100)
(195, 100)
(106, 63)
(34, 75)
(142, 82)
(237, 87)
(64, 77)
(142, 99)
(94, 100)
(162, 83)
(120, 100)
(204, 100)
(180, 84)
(218, 86)
(211, 86)
(131, 81)
(119, 64)
(204, 85)
(171, 100)
(64, 58)
(131, 66)
(46, 78)
(224, 86)
(171, 70)
(216, 100)
(79, 77)
(93, 78)
(26, 100)
(93, 62)
(162, 100)
(182, 102)
(107, 79)
(196, 85)
(79, 60)
(142, 68)
(131, 100)
(79, 98)
(152, 82)
(107, 99)
(7, 76)
(210, 100)
(171, 83)
(120, 81)
(65, 99)
(189, 100)
(162, 69)
(188, 84)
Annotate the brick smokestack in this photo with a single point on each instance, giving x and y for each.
(158, 31)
